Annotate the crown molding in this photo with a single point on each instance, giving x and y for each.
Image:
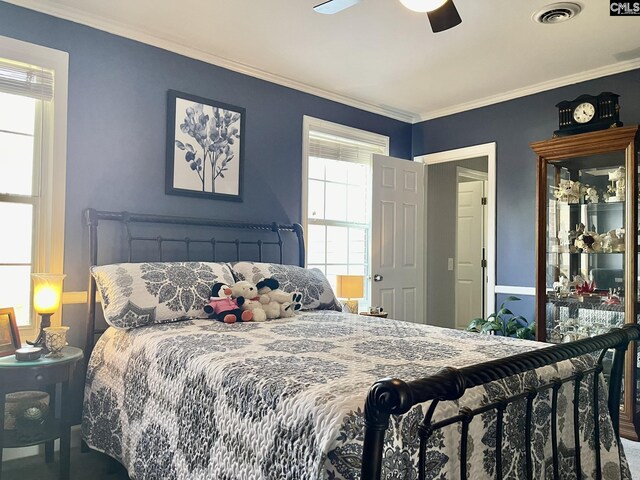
(172, 45)
(612, 69)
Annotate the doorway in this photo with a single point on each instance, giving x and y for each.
(470, 253)
(450, 296)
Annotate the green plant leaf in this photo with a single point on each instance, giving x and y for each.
(476, 323)
(504, 322)
(487, 327)
(511, 298)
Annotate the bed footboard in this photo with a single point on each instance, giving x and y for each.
(395, 397)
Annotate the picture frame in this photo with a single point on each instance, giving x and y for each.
(9, 333)
(205, 147)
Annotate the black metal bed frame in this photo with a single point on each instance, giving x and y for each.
(394, 397)
(128, 220)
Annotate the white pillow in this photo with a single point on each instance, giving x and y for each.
(138, 294)
(310, 282)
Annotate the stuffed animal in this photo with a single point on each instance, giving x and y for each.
(249, 292)
(271, 287)
(224, 308)
(286, 303)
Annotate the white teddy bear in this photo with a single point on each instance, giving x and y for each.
(249, 292)
(270, 293)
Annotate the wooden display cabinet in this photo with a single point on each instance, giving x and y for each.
(587, 245)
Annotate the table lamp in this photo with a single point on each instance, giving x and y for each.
(47, 294)
(350, 287)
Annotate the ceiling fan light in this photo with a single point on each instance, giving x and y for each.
(444, 18)
(423, 6)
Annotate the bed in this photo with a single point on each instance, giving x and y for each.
(319, 395)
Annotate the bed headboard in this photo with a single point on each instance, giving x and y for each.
(134, 237)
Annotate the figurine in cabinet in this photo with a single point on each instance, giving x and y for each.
(617, 187)
(592, 195)
(588, 242)
(568, 191)
(613, 240)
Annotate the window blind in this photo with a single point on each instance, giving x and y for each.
(28, 80)
(324, 145)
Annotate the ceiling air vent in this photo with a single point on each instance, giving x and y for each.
(557, 13)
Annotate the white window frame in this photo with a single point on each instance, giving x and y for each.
(49, 222)
(314, 124)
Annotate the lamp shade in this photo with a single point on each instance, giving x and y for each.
(47, 292)
(350, 286)
(422, 6)
(444, 18)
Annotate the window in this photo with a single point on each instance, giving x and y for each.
(33, 83)
(338, 198)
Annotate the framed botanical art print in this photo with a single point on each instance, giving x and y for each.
(9, 333)
(205, 147)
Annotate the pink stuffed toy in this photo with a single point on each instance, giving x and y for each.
(224, 308)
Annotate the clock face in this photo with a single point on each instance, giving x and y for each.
(584, 112)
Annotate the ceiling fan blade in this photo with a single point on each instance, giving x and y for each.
(444, 18)
(334, 6)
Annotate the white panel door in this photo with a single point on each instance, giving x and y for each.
(470, 241)
(397, 262)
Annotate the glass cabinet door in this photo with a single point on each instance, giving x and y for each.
(585, 276)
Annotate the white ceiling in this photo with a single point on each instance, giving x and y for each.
(378, 55)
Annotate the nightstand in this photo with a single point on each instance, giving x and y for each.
(44, 374)
(379, 315)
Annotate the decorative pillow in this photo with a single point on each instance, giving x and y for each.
(310, 282)
(138, 294)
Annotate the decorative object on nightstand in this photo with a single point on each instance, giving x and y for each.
(9, 333)
(32, 419)
(47, 294)
(55, 339)
(375, 312)
(588, 113)
(350, 287)
(28, 354)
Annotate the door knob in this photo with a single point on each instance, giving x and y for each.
(377, 278)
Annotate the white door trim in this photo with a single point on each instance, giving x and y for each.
(484, 150)
(468, 173)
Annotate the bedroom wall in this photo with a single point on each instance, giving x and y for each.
(513, 125)
(117, 127)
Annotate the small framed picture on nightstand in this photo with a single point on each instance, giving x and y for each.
(9, 333)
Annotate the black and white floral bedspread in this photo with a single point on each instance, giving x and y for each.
(283, 400)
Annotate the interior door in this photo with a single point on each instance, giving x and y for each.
(469, 247)
(397, 237)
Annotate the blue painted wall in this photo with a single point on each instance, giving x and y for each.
(117, 128)
(513, 125)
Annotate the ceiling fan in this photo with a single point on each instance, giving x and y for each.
(442, 14)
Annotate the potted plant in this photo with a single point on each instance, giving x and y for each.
(504, 323)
